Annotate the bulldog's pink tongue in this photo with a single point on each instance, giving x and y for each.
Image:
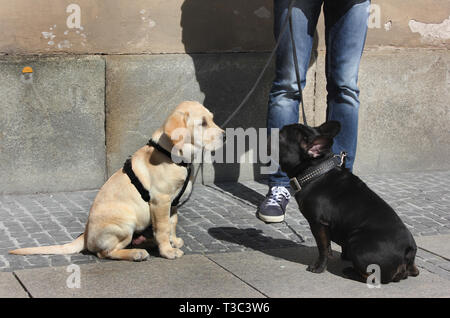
(139, 240)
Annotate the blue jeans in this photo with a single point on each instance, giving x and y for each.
(345, 35)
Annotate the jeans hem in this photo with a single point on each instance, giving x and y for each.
(279, 184)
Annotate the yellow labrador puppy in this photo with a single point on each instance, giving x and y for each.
(120, 209)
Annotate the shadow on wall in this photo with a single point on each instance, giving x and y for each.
(242, 32)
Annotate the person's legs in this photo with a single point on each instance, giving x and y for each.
(345, 35)
(284, 98)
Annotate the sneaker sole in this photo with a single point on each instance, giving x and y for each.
(271, 219)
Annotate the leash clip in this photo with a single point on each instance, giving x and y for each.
(296, 185)
(343, 155)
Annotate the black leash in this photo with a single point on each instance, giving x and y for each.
(297, 71)
(287, 21)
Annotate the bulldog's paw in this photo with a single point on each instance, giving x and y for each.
(317, 268)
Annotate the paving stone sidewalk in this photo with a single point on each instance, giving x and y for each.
(219, 218)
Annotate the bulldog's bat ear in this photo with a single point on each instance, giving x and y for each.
(319, 146)
(323, 141)
(330, 128)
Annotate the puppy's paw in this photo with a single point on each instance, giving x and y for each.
(317, 268)
(140, 255)
(177, 242)
(171, 253)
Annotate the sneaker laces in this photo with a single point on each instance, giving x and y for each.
(276, 195)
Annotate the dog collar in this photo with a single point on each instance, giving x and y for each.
(297, 183)
(176, 159)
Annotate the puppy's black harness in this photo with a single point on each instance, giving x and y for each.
(314, 172)
(145, 194)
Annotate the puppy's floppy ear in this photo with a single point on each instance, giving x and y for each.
(175, 128)
(330, 128)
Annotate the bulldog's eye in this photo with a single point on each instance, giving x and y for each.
(204, 123)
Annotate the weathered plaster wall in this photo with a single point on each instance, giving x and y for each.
(179, 26)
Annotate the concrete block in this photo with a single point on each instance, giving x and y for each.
(403, 118)
(52, 129)
(282, 273)
(10, 287)
(192, 276)
(142, 90)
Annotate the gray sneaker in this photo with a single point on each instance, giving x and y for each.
(273, 208)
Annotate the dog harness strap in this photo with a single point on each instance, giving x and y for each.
(312, 173)
(127, 168)
(183, 189)
(145, 194)
(177, 160)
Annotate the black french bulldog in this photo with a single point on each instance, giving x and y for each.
(341, 208)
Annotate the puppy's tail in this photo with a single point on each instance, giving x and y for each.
(74, 247)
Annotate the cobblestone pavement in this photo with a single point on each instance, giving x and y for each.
(219, 218)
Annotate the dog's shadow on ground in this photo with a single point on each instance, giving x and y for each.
(284, 249)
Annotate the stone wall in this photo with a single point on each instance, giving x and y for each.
(107, 72)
